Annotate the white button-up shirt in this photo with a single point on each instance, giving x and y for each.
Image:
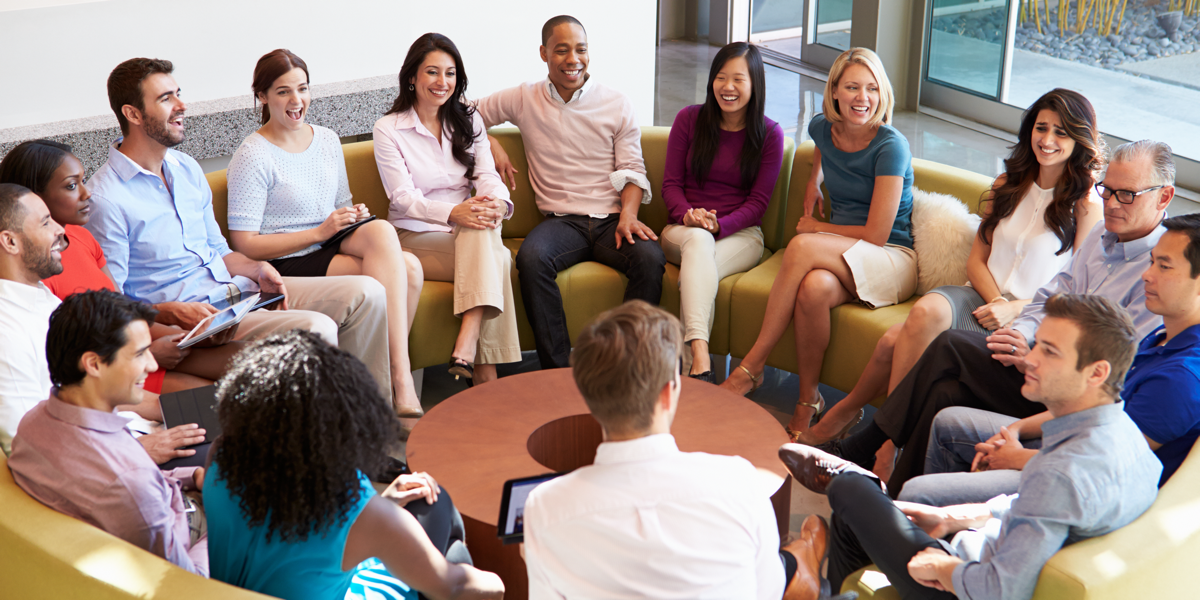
(649, 521)
(423, 180)
(24, 376)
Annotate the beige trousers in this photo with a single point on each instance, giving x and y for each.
(703, 262)
(349, 312)
(480, 266)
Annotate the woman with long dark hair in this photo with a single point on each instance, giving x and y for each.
(723, 158)
(864, 252)
(291, 511)
(289, 194)
(1038, 211)
(448, 202)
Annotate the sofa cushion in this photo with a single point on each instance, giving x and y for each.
(943, 232)
(46, 554)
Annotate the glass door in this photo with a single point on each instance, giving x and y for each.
(814, 32)
(778, 26)
(829, 25)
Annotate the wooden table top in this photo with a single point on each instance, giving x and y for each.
(474, 441)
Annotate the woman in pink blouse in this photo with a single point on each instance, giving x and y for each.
(448, 202)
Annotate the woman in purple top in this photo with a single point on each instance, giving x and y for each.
(723, 158)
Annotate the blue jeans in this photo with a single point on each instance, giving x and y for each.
(947, 480)
(560, 242)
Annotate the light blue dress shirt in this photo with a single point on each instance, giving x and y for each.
(1094, 474)
(1101, 266)
(160, 238)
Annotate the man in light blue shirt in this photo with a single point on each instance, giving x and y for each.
(964, 368)
(1094, 474)
(153, 216)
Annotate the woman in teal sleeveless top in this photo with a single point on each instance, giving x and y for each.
(864, 252)
(290, 511)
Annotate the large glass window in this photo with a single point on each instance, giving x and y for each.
(1137, 61)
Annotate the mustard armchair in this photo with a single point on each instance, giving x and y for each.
(46, 554)
(1149, 558)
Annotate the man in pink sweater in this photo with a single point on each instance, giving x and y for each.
(585, 165)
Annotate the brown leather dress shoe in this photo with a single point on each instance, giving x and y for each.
(814, 469)
(809, 550)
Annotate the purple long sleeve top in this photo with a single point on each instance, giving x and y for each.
(736, 207)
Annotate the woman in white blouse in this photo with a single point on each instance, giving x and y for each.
(448, 202)
(1039, 210)
(288, 195)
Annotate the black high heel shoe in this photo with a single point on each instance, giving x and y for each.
(462, 369)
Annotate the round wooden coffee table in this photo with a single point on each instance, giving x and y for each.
(537, 422)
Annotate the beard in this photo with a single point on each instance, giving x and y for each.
(157, 131)
(39, 260)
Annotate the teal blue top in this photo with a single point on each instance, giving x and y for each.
(244, 556)
(850, 176)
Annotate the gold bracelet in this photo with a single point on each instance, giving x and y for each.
(1001, 297)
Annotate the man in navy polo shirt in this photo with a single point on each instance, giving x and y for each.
(1161, 392)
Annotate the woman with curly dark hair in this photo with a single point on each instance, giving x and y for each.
(448, 202)
(291, 512)
(1037, 212)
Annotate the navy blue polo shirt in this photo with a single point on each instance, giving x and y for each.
(1162, 394)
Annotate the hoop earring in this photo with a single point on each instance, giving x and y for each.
(411, 87)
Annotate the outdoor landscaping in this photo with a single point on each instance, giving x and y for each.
(1101, 33)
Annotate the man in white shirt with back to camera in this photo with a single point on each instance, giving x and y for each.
(646, 520)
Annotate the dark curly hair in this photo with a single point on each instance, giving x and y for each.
(456, 112)
(1021, 167)
(300, 420)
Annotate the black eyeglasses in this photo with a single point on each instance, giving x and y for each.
(1123, 196)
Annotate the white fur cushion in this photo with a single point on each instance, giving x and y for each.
(943, 231)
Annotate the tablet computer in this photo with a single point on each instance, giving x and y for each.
(264, 299)
(345, 231)
(197, 406)
(511, 525)
(218, 322)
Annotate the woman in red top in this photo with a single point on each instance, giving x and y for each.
(54, 173)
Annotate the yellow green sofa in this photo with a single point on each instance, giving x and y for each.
(1149, 558)
(46, 554)
(854, 329)
(587, 288)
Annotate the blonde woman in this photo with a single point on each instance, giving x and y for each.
(864, 253)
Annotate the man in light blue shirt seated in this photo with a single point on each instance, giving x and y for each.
(1093, 475)
(153, 216)
(965, 368)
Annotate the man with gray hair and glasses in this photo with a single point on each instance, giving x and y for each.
(965, 368)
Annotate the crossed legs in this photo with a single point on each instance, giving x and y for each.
(813, 280)
(373, 250)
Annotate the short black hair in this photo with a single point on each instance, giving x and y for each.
(548, 28)
(313, 414)
(33, 163)
(12, 213)
(1188, 225)
(92, 321)
(125, 85)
